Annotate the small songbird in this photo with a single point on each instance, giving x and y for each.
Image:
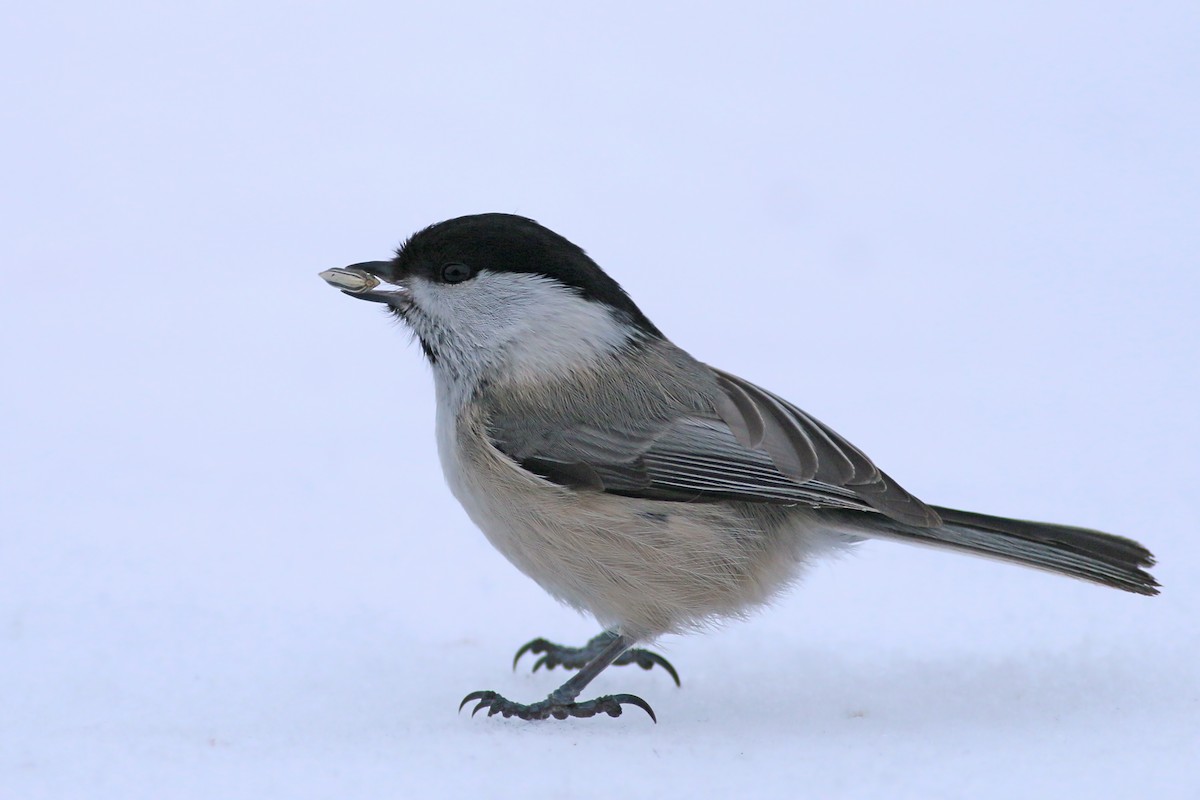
(632, 481)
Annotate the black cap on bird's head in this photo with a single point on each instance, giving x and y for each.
(454, 250)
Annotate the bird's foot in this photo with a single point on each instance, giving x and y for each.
(558, 655)
(551, 707)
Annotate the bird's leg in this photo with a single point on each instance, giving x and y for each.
(558, 655)
(561, 704)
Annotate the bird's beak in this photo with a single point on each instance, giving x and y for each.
(360, 280)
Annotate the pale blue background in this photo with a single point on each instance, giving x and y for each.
(963, 234)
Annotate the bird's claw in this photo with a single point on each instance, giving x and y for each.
(535, 646)
(646, 659)
(608, 704)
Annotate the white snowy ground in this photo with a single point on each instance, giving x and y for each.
(965, 236)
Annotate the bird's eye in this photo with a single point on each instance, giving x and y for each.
(454, 272)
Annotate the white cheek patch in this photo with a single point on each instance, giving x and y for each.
(526, 325)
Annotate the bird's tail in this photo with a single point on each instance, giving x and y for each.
(1081, 553)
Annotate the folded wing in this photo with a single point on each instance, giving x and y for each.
(756, 447)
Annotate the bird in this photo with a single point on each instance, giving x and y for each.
(630, 480)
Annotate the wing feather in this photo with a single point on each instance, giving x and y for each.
(753, 446)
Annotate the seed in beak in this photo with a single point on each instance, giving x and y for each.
(350, 280)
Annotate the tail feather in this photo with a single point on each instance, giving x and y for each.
(1078, 552)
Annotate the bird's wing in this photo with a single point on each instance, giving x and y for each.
(757, 447)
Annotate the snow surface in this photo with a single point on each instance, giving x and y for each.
(965, 235)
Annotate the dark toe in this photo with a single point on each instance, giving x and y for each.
(535, 646)
(483, 697)
(633, 700)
